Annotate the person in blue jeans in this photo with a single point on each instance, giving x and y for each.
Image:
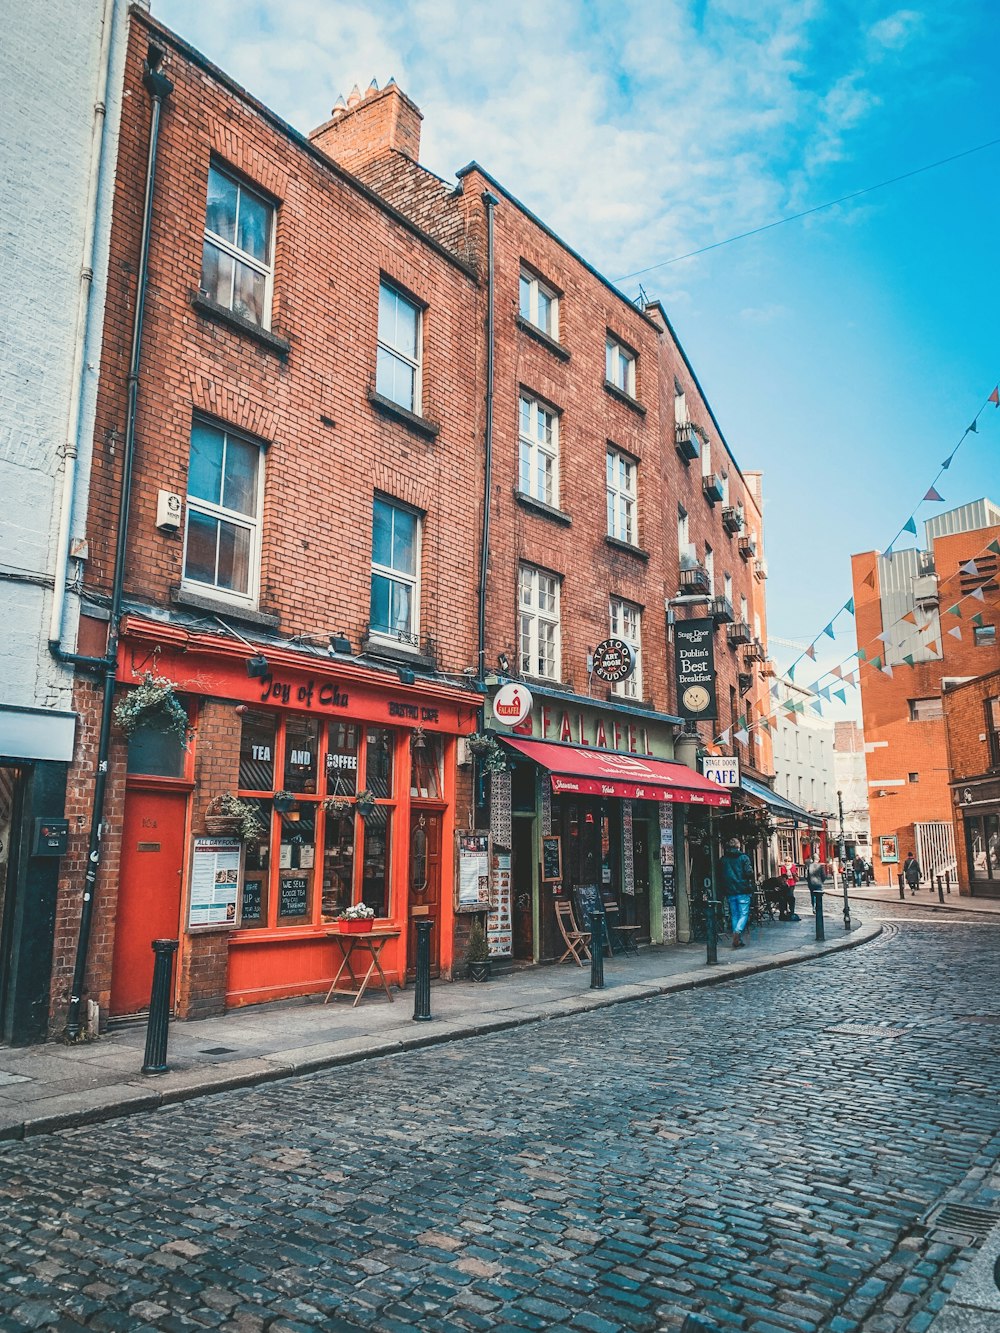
(736, 876)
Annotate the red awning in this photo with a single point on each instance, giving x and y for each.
(609, 773)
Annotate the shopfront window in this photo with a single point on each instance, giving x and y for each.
(425, 767)
(342, 759)
(378, 765)
(983, 836)
(156, 753)
(296, 863)
(301, 754)
(338, 862)
(257, 745)
(256, 865)
(375, 877)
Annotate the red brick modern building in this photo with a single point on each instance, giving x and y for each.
(972, 727)
(340, 360)
(925, 619)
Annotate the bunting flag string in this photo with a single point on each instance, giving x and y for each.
(933, 495)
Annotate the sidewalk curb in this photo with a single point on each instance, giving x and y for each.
(266, 1070)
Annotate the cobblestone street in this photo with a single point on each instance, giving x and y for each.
(724, 1151)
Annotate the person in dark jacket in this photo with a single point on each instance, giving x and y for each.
(911, 872)
(736, 877)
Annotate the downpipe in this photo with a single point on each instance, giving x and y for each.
(159, 89)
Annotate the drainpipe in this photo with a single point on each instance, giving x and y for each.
(491, 201)
(80, 347)
(159, 88)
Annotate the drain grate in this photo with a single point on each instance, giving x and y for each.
(960, 1224)
(218, 1050)
(867, 1030)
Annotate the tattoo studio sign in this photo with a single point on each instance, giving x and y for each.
(694, 666)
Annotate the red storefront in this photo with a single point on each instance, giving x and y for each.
(350, 772)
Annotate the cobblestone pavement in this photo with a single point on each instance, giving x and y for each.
(722, 1151)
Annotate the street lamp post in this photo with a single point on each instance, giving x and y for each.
(841, 854)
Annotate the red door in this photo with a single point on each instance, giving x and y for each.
(149, 892)
(425, 885)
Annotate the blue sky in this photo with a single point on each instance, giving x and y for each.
(843, 354)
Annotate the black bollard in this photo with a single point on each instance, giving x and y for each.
(597, 951)
(711, 928)
(940, 889)
(157, 1026)
(847, 907)
(947, 880)
(422, 981)
(818, 906)
(902, 894)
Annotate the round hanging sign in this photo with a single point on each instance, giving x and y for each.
(512, 704)
(614, 661)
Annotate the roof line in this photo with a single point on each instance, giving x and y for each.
(474, 166)
(296, 137)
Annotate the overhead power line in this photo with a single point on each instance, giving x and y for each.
(794, 217)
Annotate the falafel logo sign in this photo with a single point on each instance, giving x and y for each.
(694, 669)
(512, 704)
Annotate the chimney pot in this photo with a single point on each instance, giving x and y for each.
(353, 98)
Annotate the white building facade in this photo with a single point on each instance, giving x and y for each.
(803, 766)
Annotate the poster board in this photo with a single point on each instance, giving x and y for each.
(472, 869)
(499, 925)
(551, 858)
(215, 882)
(888, 849)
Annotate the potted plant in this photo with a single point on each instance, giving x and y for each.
(336, 805)
(356, 920)
(227, 814)
(152, 703)
(477, 954)
(486, 749)
(283, 801)
(365, 802)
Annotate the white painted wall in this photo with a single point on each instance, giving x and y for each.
(49, 78)
(803, 755)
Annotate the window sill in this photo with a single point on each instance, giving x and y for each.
(212, 310)
(401, 654)
(540, 336)
(627, 548)
(543, 510)
(220, 607)
(622, 397)
(388, 408)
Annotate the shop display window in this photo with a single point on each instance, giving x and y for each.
(425, 767)
(256, 864)
(338, 862)
(342, 741)
(257, 746)
(375, 873)
(983, 835)
(301, 754)
(378, 761)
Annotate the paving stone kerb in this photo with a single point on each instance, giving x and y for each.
(462, 1011)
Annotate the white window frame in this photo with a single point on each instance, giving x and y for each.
(620, 366)
(415, 364)
(534, 448)
(234, 252)
(412, 581)
(626, 623)
(235, 517)
(706, 458)
(727, 588)
(532, 584)
(681, 417)
(683, 530)
(710, 569)
(535, 286)
(623, 499)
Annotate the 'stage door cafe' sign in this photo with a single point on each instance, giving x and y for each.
(694, 662)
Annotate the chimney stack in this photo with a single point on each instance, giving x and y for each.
(368, 126)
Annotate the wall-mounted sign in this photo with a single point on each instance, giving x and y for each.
(694, 669)
(215, 878)
(614, 661)
(472, 850)
(512, 703)
(888, 849)
(721, 768)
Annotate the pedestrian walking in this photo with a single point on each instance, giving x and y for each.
(911, 872)
(736, 874)
(815, 878)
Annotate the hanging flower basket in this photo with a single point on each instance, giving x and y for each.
(366, 803)
(283, 801)
(152, 703)
(228, 816)
(336, 805)
(491, 757)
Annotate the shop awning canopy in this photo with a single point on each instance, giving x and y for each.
(573, 768)
(786, 810)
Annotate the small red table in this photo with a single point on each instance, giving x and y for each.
(370, 942)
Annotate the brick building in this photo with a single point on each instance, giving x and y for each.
(342, 357)
(925, 618)
(972, 728)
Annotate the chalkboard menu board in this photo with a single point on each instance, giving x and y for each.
(588, 901)
(251, 911)
(551, 858)
(293, 895)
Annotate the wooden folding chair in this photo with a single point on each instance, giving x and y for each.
(576, 940)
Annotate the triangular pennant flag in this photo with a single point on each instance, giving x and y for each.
(887, 671)
(836, 671)
(970, 567)
(829, 630)
(884, 637)
(841, 695)
(876, 662)
(889, 552)
(869, 578)
(724, 738)
(792, 718)
(815, 704)
(910, 617)
(973, 429)
(933, 646)
(977, 619)
(791, 670)
(994, 547)
(824, 692)
(910, 525)
(849, 606)
(741, 721)
(956, 633)
(947, 462)
(994, 397)
(775, 690)
(861, 655)
(907, 658)
(765, 722)
(742, 735)
(933, 495)
(978, 594)
(811, 653)
(955, 610)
